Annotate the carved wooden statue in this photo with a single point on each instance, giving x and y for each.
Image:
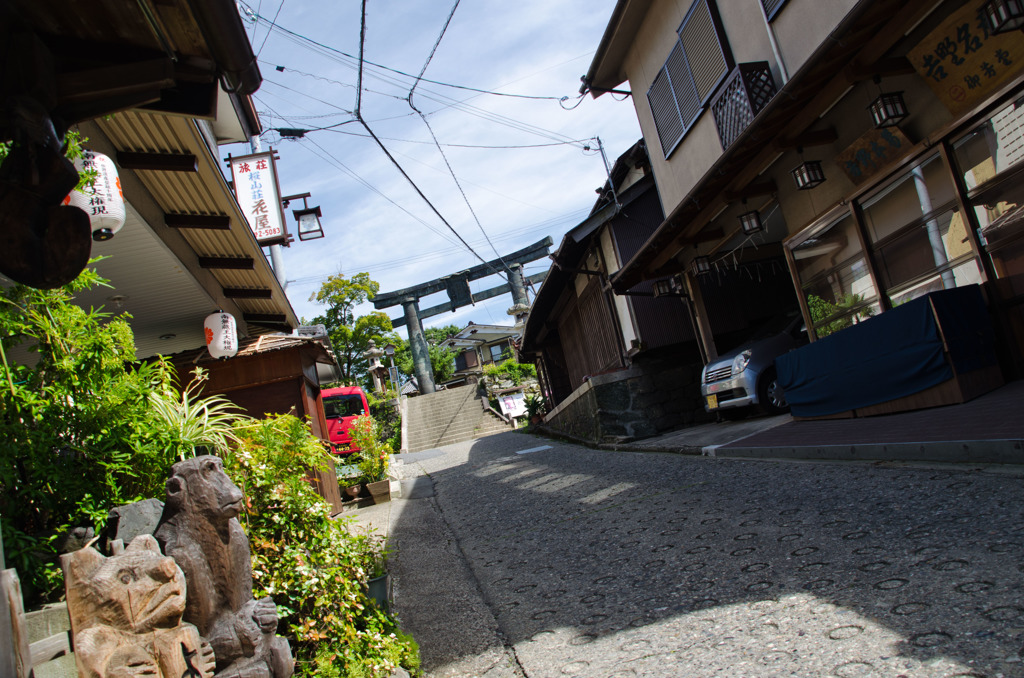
(126, 615)
(200, 530)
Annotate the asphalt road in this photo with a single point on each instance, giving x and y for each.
(568, 561)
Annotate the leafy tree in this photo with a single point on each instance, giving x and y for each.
(442, 358)
(349, 334)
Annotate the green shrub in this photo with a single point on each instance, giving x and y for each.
(74, 425)
(511, 370)
(372, 455)
(314, 567)
(388, 418)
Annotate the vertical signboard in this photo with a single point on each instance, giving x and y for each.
(254, 178)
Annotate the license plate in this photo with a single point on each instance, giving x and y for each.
(713, 402)
(341, 448)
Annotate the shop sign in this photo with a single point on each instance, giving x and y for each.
(254, 178)
(962, 62)
(874, 150)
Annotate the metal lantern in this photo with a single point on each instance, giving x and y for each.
(700, 266)
(309, 223)
(221, 335)
(662, 287)
(750, 222)
(1004, 15)
(808, 174)
(102, 200)
(888, 109)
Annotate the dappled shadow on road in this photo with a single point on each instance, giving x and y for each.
(607, 563)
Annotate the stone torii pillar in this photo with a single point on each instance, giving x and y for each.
(418, 345)
(516, 284)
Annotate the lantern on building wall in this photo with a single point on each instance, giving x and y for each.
(103, 200)
(221, 335)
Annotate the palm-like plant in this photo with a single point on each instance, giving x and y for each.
(183, 421)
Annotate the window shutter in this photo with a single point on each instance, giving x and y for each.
(666, 114)
(704, 51)
(772, 7)
(682, 85)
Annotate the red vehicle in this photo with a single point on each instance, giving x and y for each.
(341, 407)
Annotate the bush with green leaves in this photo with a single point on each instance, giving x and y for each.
(315, 567)
(510, 370)
(372, 455)
(387, 416)
(71, 417)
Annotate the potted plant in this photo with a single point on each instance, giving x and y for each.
(535, 407)
(372, 458)
(375, 563)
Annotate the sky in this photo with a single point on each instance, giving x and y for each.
(510, 170)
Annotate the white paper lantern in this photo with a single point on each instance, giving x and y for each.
(221, 335)
(103, 201)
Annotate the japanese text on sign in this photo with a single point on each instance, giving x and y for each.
(962, 62)
(255, 184)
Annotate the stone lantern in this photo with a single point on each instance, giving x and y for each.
(376, 369)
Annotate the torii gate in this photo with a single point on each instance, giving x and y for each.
(457, 287)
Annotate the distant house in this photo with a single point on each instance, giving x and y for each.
(481, 345)
(615, 367)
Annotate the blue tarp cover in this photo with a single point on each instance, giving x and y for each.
(893, 355)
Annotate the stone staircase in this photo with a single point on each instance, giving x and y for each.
(446, 417)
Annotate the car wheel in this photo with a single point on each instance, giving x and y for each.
(770, 395)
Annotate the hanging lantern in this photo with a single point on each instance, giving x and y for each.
(103, 201)
(1004, 15)
(888, 109)
(808, 175)
(750, 222)
(221, 335)
(662, 287)
(700, 266)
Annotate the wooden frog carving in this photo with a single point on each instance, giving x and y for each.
(126, 615)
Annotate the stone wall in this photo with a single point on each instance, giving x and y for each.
(656, 394)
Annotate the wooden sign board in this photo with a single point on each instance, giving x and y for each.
(871, 152)
(254, 179)
(963, 63)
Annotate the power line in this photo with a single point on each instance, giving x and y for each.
(274, 26)
(383, 148)
(270, 30)
(433, 136)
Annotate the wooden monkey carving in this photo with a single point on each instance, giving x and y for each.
(200, 530)
(126, 615)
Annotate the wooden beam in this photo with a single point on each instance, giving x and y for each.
(708, 234)
(162, 162)
(233, 263)
(247, 293)
(217, 222)
(753, 190)
(883, 68)
(114, 80)
(50, 648)
(821, 137)
(273, 318)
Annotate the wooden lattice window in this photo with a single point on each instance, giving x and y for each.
(697, 64)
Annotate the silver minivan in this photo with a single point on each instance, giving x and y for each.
(745, 376)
